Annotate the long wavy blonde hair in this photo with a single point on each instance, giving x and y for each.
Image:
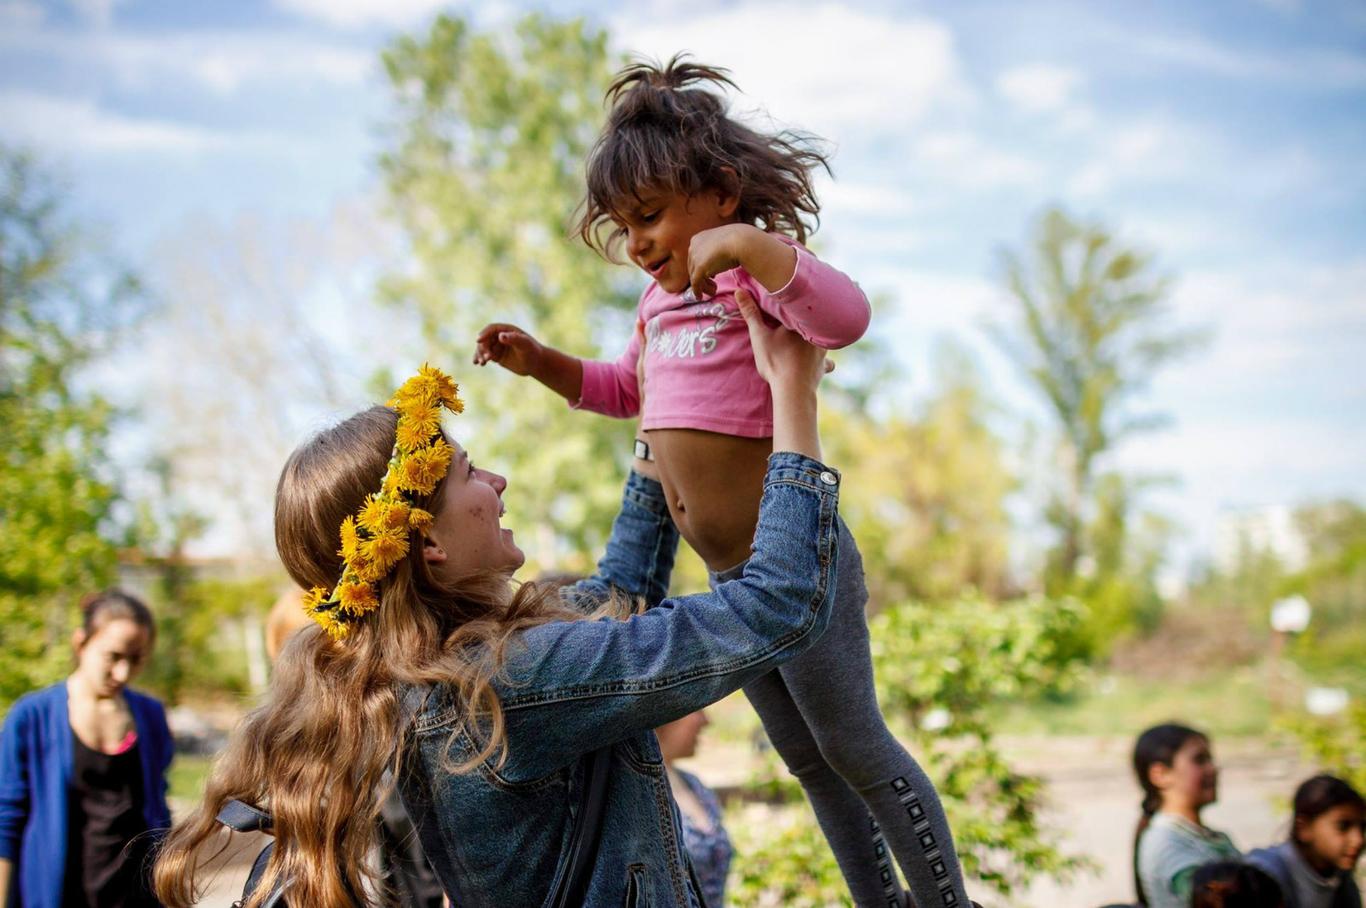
(315, 752)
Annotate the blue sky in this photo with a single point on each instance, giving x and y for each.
(1227, 138)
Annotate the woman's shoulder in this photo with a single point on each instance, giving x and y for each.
(38, 701)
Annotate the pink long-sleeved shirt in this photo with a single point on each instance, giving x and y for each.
(699, 363)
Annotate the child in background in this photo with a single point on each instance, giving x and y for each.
(83, 772)
(1232, 884)
(704, 833)
(1314, 866)
(1179, 778)
(715, 212)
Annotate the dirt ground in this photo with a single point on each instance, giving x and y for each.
(1093, 802)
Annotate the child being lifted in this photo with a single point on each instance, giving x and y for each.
(712, 210)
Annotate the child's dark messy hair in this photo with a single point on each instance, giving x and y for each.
(665, 135)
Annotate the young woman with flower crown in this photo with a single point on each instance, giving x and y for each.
(485, 698)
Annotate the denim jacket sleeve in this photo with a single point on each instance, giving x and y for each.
(639, 559)
(572, 687)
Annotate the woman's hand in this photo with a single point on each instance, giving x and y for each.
(793, 369)
(781, 355)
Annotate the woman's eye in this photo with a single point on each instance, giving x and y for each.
(649, 218)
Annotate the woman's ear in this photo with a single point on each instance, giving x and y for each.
(728, 194)
(1297, 826)
(431, 552)
(78, 639)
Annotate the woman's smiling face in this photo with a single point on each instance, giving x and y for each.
(466, 535)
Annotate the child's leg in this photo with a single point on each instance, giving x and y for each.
(859, 848)
(832, 685)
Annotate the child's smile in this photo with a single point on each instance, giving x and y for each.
(659, 229)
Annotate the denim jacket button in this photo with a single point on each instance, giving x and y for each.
(828, 478)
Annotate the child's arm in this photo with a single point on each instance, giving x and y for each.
(609, 388)
(820, 303)
(521, 354)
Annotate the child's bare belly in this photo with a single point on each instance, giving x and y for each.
(713, 484)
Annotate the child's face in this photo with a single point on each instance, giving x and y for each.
(112, 656)
(659, 228)
(1333, 838)
(1193, 777)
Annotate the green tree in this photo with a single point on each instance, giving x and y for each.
(926, 490)
(60, 310)
(1091, 326)
(484, 174)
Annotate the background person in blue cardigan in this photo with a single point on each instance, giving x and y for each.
(83, 772)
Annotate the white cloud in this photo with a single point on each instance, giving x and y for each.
(79, 125)
(838, 71)
(98, 12)
(859, 198)
(20, 14)
(358, 13)
(1039, 87)
(962, 159)
(220, 61)
(1312, 66)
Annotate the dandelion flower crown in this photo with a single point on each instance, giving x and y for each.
(375, 538)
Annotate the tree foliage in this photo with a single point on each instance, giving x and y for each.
(483, 176)
(60, 309)
(926, 490)
(1090, 328)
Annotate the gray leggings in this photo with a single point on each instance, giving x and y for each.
(820, 711)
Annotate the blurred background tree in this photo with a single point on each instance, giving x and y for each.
(483, 178)
(1089, 329)
(62, 307)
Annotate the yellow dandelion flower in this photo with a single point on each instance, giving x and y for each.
(350, 538)
(357, 598)
(419, 519)
(411, 435)
(366, 569)
(425, 416)
(442, 387)
(412, 473)
(371, 514)
(336, 629)
(385, 550)
(396, 516)
(315, 597)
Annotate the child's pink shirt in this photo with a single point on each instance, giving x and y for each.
(699, 363)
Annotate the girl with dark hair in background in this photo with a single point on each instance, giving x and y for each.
(1179, 778)
(1314, 866)
(83, 772)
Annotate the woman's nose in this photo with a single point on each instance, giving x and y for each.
(120, 672)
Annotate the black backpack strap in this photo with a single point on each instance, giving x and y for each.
(242, 817)
(583, 841)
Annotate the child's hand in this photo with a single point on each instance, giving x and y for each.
(712, 251)
(508, 346)
(768, 259)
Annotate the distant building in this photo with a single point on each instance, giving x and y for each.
(1259, 532)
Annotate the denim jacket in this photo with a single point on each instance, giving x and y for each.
(497, 836)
